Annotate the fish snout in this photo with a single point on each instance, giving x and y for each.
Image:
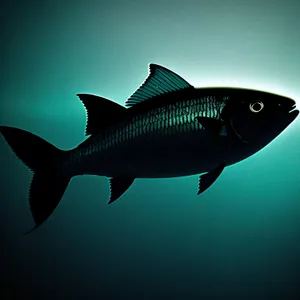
(292, 110)
(288, 105)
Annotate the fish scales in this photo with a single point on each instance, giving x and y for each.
(168, 120)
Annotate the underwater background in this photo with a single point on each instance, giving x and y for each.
(238, 240)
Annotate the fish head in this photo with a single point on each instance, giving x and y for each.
(258, 117)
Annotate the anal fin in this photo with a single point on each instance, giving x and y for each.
(207, 179)
(118, 186)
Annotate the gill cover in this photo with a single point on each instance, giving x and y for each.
(242, 119)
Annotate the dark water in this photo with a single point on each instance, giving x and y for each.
(238, 240)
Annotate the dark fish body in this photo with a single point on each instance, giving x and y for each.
(161, 140)
(170, 129)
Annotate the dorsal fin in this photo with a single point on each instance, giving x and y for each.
(101, 112)
(159, 81)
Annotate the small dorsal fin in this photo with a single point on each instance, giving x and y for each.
(101, 112)
(160, 80)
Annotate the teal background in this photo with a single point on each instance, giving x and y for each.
(238, 240)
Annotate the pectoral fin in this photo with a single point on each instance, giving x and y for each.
(218, 127)
(215, 126)
(118, 186)
(207, 179)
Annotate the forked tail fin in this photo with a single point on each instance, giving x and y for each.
(45, 160)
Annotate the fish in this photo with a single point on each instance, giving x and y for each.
(167, 128)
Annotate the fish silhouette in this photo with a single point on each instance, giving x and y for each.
(169, 129)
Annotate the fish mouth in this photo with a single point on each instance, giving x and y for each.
(293, 113)
(288, 105)
(293, 108)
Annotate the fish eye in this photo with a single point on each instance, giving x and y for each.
(256, 106)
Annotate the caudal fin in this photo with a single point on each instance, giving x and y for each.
(45, 160)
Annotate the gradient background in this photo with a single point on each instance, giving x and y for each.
(239, 240)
